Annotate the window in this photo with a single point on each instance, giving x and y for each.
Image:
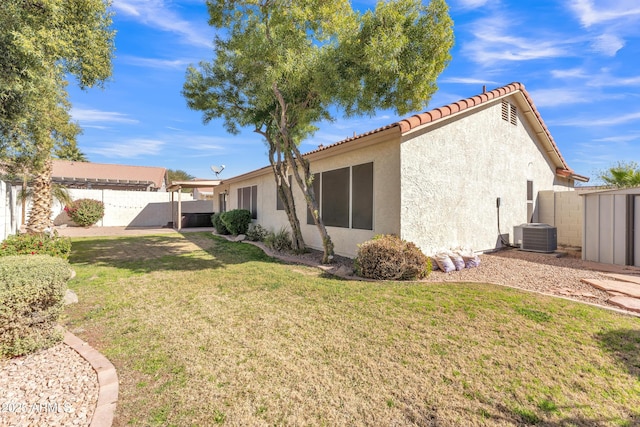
(529, 201)
(222, 202)
(279, 203)
(335, 197)
(345, 197)
(362, 196)
(248, 199)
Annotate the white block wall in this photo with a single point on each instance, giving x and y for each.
(563, 210)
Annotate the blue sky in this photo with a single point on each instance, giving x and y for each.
(578, 59)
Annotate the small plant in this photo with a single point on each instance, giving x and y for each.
(31, 300)
(85, 212)
(216, 220)
(387, 257)
(36, 244)
(256, 233)
(236, 221)
(280, 241)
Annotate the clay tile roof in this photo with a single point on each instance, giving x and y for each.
(406, 125)
(64, 169)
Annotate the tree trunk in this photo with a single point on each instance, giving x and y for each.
(285, 194)
(306, 185)
(41, 201)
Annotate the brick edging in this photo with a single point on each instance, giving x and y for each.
(107, 380)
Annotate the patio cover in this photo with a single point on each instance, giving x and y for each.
(177, 186)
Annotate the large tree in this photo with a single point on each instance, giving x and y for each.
(180, 175)
(283, 66)
(622, 175)
(43, 42)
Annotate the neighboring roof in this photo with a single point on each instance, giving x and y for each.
(82, 173)
(417, 121)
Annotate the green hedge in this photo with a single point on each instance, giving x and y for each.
(85, 212)
(216, 220)
(236, 221)
(32, 289)
(36, 244)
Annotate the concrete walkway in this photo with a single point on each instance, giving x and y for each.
(123, 231)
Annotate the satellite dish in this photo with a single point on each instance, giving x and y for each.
(217, 169)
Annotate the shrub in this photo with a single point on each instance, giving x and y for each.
(256, 233)
(218, 224)
(31, 299)
(237, 221)
(280, 241)
(85, 212)
(388, 257)
(36, 244)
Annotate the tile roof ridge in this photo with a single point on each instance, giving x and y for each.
(446, 110)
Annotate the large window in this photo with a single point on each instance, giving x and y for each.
(248, 199)
(345, 197)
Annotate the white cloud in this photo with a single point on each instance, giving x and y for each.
(129, 149)
(89, 115)
(493, 41)
(589, 13)
(155, 62)
(604, 121)
(608, 44)
(557, 97)
(469, 81)
(472, 4)
(571, 73)
(155, 13)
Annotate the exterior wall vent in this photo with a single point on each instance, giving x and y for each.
(509, 113)
(505, 111)
(514, 115)
(538, 237)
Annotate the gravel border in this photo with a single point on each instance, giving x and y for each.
(69, 384)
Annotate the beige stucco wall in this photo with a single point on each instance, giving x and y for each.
(133, 208)
(452, 174)
(563, 210)
(382, 150)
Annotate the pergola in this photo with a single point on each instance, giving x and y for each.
(177, 186)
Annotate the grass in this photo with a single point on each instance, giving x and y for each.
(207, 332)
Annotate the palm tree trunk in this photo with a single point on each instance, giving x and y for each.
(40, 213)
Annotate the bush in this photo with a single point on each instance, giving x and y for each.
(236, 221)
(218, 224)
(85, 212)
(387, 257)
(32, 289)
(280, 241)
(256, 233)
(36, 244)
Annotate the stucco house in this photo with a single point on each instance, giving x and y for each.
(462, 175)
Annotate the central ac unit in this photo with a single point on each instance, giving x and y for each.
(538, 237)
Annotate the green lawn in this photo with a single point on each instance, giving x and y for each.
(203, 331)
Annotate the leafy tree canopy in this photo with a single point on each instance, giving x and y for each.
(43, 44)
(621, 175)
(281, 66)
(180, 175)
